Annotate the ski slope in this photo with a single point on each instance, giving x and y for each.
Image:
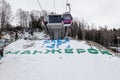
(57, 60)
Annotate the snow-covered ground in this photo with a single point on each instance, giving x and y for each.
(57, 60)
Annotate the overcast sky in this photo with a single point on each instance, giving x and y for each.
(98, 12)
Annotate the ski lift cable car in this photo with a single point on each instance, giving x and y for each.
(54, 20)
(60, 20)
(67, 17)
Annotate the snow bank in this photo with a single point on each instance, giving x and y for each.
(58, 60)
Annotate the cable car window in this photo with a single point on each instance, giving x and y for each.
(67, 16)
(55, 19)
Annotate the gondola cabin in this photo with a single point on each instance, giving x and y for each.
(67, 19)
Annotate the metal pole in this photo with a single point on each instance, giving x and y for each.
(54, 6)
(66, 5)
(118, 45)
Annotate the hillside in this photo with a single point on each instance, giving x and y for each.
(58, 60)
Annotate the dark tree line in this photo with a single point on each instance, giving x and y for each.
(104, 36)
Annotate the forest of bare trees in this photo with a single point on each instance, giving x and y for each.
(5, 14)
(79, 30)
(103, 35)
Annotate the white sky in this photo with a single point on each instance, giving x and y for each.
(99, 12)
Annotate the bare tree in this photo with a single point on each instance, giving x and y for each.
(74, 30)
(23, 18)
(83, 25)
(5, 13)
(35, 14)
(93, 31)
(105, 36)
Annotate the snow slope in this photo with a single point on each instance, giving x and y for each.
(59, 65)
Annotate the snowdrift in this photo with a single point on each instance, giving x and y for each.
(58, 60)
